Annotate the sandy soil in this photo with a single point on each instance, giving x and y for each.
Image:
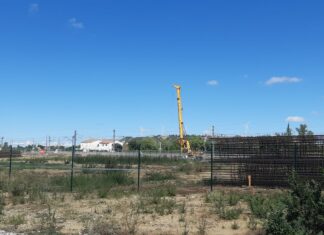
(73, 216)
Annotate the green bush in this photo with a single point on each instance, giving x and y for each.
(158, 200)
(165, 206)
(278, 225)
(230, 213)
(262, 205)
(304, 212)
(220, 197)
(233, 199)
(259, 206)
(101, 182)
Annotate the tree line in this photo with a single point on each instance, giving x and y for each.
(198, 143)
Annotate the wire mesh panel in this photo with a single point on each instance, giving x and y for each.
(268, 160)
(6, 154)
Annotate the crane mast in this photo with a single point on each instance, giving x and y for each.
(184, 144)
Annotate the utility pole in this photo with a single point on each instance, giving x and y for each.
(72, 160)
(114, 140)
(49, 143)
(213, 131)
(46, 144)
(212, 159)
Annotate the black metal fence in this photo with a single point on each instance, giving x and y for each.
(9, 152)
(267, 160)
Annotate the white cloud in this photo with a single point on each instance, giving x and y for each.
(295, 119)
(75, 23)
(33, 8)
(212, 83)
(278, 80)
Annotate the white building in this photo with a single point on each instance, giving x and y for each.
(98, 145)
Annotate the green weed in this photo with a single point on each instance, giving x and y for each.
(158, 176)
(16, 220)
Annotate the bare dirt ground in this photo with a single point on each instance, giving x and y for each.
(186, 211)
(77, 216)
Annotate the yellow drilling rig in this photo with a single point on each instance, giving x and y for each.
(184, 143)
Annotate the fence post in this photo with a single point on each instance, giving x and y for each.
(72, 160)
(10, 161)
(295, 158)
(212, 167)
(139, 169)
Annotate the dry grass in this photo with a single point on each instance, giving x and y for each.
(164, 206)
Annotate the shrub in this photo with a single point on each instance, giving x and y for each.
(230, 214)
(278, 225)
(48, 221)
(157, 200)
(304, 213)
(230, 199)
(233, 199)
(165, 206)
(262, 205)
(259, 206)
(167, 190)
(96, 182)
(158, 176)
(102, 227)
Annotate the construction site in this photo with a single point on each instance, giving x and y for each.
(150, 117)
(227, 189)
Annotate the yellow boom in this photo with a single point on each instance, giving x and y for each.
(184, 144)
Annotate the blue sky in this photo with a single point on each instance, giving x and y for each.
(245, 66)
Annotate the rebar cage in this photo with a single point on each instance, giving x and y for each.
(269, 160)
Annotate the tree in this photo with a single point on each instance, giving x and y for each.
(5, 146)
(288, 131)
(146, 143)
(170, 144)
(197, 143)
(303, 130)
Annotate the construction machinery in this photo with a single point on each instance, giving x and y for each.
(184, 143)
